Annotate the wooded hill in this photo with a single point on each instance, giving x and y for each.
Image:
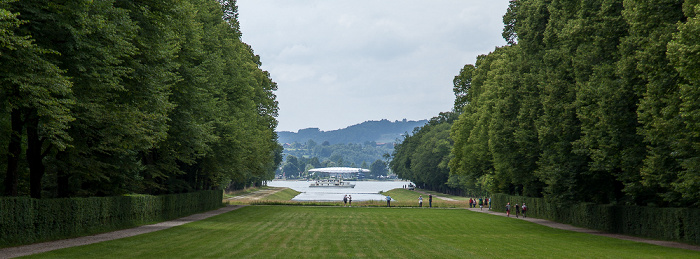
(590, 101)
(362, 145)
(102, 98)
(383, 131)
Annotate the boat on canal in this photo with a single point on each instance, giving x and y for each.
(332, 183)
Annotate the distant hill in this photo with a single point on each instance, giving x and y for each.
(382, 131)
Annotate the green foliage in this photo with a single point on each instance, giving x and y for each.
(382, 131)
(591, 101)
(378, 168)
(113, 97)
(25, 220)
(684, 54)
(423, 157)
(303, 156)
(675, 224)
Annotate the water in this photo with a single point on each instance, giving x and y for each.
(363, 191)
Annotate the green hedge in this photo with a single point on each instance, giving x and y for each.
(25, 220)
(674, 224)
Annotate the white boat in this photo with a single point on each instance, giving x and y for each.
(332, 183)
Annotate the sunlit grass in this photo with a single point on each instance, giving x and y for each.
(454, 197)
(230, 194)
(400, 198)
(283, 195)
(332, 232)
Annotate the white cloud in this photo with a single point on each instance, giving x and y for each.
(339, 63)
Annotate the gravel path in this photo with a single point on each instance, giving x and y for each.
(593, 232)
(59, 244)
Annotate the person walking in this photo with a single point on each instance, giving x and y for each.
(517, 210)
(524, 210)
(420, 201)
(489, 202)
(345, 200)
(388, 201)
(350, 200)
(481, 203)
(430, 200)
(470, 203)
(508, 209)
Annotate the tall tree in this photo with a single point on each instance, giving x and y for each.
(472, 158)
(684, 54)
(652, 25)
(35, 93)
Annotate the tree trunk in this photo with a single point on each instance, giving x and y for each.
(13, 155)
(62, 178)
(34, 155)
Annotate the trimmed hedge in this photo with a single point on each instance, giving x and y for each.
(674, 224)
(25, 220)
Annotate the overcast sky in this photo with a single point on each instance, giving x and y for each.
(340, 63)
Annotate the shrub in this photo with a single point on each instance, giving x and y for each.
(675, 224)
(25, 220)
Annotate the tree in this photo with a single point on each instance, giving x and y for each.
(461, 84)
(114, 97)
(378, 168)
(36, 94)
(684, 54)
(121, 74)
(651, 27)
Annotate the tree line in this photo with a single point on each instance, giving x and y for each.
(301, 157)
(115, 97)
(590, 101)
(382, 131)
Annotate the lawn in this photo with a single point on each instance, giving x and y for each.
(331, 232)
(283, 195)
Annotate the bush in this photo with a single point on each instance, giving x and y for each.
(674, 224)
(25, 220)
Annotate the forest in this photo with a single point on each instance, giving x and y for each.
(301, 157)
(365, 145)
(103, 98)
(589, 101)
(381, 131)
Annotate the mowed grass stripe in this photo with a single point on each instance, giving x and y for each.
(330, 232)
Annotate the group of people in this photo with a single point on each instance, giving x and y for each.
(420, 200)
(347, 200)
(430, 200)
(472, 204)
(517, 210)
(481, 202)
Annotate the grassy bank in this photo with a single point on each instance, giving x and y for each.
(400, 198)
(283, 195)
(330, 232)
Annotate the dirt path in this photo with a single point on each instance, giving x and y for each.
(593, 232)
(259, 194)
(54, 245)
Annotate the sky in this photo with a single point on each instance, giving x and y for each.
(340, 63)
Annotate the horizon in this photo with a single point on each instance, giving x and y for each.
(322, 130)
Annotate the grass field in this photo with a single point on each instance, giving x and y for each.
(243, 192)
(283, 195)
(331, 232)
(400, 198)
